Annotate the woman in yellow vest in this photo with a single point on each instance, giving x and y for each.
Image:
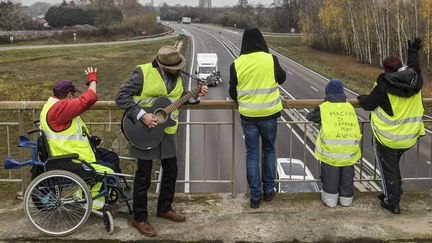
(254, 79)
(396, 119)
(337, 145)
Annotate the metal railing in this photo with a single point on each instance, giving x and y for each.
(218, 149)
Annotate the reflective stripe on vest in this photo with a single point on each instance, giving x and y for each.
(257, 90)
(154, 86)
(71, 140)
(402, 130)
(338, 143)
(334, 155)
(260, 106)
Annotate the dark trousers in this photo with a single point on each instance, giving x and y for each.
(142, 183)
(338, 179)
(108, 158)
(388, 161)
(253, 131)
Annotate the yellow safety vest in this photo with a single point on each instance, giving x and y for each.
(154, 86)
(72, 140)
(402, 130)
(257, 90)
(338, 143)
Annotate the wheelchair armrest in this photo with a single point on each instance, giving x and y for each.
(63, 157)
(33, 131)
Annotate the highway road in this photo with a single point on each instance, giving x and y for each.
(206, 162)
(205, 151)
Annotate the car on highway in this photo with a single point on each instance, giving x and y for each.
(294, 169)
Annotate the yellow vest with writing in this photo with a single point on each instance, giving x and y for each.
(338, 143)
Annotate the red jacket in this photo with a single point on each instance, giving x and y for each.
(60, 115)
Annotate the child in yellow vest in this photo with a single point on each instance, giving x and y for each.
(337, 145)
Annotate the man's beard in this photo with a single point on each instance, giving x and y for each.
(173, 76)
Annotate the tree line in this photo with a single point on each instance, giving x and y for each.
(369, 30)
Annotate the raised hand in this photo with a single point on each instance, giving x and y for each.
(91, 75)
(415, 45)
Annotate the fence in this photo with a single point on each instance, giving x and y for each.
(212, 153)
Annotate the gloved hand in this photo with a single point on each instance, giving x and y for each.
(415, 45)
(96, 141)
(91, 75)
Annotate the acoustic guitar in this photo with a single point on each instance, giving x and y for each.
(145, 138)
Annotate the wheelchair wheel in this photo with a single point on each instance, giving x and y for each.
(108, 222)
(57, 202)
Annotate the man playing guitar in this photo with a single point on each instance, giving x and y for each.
(160, 78)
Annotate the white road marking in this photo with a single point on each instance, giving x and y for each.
(315, 89)
(290, 73)
(428, 162)
(227, 98)
(188, 135)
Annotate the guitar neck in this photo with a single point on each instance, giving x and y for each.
(193, 93)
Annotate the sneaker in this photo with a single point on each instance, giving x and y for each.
(254, 204)
(268, 196)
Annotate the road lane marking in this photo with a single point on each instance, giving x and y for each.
(292, 97)
(187, 152)
(227, 98)
(312, 87)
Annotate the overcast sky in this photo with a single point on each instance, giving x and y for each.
(170, 2)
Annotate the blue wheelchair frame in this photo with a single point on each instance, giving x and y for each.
(110, 181)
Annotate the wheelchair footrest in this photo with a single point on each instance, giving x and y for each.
(127, 196)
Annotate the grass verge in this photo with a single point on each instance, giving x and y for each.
(30, 75)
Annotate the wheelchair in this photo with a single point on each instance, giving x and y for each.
(58, 200)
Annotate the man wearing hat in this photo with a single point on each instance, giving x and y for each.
(66, 132)
(159, 78)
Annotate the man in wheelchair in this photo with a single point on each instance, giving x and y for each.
(66, 133)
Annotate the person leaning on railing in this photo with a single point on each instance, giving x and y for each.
(337, 145)
(396, 119)
(254, 79)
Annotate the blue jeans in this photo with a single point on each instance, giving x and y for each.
(252, 131)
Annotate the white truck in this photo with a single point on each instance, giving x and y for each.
(186, 20)
(208, 68)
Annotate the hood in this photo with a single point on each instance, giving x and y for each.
(405, 83)
(253, 41)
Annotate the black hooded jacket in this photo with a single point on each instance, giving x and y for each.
(404, 83)
(253, 41)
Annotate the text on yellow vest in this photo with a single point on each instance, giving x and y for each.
(338, 143)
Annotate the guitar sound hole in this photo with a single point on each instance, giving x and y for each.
(161, 116)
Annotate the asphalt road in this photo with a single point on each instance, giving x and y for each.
(211, 149)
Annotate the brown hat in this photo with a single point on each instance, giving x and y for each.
(169, 57)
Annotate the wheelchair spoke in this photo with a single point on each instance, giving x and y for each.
(58, 202)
